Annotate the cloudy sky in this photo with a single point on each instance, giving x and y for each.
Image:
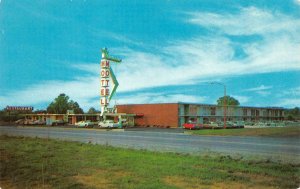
(171, 51)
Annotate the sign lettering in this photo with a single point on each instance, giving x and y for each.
(19, 108)
(104, 73)
(105, 64)
(104, 82)
(104, 101)
(104, 91)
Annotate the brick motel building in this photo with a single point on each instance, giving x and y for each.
(176, 114)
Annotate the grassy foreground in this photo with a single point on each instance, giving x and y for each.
(45, 163)
(271, 131)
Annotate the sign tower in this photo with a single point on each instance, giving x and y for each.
(107, 77)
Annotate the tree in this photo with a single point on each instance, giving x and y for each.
(92, 110)
(61, 104)
(40, 111)
(75, 106)
(14, 115)
(292, 114)
(230, 101)
(295, 111)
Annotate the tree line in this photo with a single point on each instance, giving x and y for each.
(60, 105)
(63, 103)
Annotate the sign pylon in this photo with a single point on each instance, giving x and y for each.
(106, 77)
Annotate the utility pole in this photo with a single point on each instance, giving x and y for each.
(224, 101)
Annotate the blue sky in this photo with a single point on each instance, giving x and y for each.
(171, 50)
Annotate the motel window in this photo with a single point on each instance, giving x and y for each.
(212, 111)
(245, 112)
(272, 113)
(265, 113)
(192, 120)
(193, 110)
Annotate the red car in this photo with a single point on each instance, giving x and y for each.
(192, 126)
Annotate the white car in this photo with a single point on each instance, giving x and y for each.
(85, 124)
(108, 124)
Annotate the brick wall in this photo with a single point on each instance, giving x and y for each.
(154, 114)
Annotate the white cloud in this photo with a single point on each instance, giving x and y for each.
(241, 99)
(115, 36)
(248, 21)
(186, 61)
(88, 67)
(289, 102)
(260, 88)
(80, 90)
(190, 61)
(141, 98)
(263, 93)
(293, 92)
(289, 98)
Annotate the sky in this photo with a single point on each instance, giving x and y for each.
(171, 51)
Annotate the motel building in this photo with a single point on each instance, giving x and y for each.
(172, 115)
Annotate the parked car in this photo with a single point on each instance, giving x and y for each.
(213, 124)
(85, 124)
(108, 124)
(39, 122)
(20, 121)
(239, 124)
(28, 122)
(124, 122)
(192, 126)
(58, 122)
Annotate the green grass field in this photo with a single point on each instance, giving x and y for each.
(45, 163)
(271, 131)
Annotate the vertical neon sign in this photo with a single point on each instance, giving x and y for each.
(106, 76)
(104, 83)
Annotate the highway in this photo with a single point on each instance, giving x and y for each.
(286, 149)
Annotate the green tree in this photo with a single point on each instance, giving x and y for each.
(292, 114)
(92, 110)
(6, 115)
(295, 111)
(61, 104)
(75, 106)
(230, 101)
(40, 111)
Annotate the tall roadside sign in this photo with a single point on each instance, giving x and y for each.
(108, 81)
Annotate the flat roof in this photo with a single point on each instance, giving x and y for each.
(202, 104)
(98, 114)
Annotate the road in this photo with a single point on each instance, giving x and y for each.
(274, 148)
